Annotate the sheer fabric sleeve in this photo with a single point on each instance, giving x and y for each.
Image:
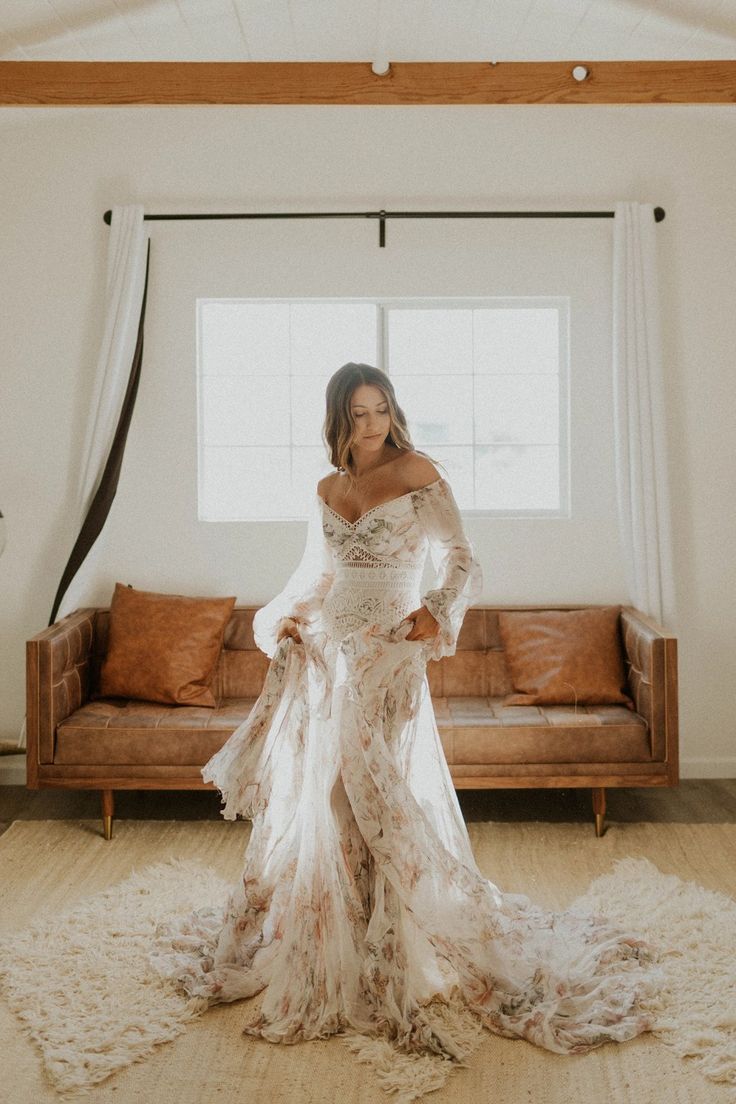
(458, 574)
(304, 591)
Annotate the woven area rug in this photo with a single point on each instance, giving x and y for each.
(77, 981)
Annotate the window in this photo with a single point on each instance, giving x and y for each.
(482, 382)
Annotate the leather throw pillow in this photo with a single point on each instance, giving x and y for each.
(564, 657)
(163, 647)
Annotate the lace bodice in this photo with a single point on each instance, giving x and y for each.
(370, 570)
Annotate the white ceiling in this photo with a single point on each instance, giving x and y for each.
(366, 30)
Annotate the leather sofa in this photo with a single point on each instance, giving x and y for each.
(77, 741)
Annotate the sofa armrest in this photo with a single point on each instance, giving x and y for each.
(651, 662)
(57, 682)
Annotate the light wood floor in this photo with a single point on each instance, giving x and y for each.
(694, 801)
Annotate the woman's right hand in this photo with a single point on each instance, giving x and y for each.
(288, 627)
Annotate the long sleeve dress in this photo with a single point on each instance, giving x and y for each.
(360, 902)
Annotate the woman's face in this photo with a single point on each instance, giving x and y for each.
(369, 408)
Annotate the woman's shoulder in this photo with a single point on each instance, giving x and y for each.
(419, 470)
(323, 486)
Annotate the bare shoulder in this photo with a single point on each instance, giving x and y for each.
(419, 470)
(323, 487)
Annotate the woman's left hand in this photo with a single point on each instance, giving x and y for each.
(425, 626)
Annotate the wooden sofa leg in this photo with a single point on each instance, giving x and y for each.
(107, 813)
(599, 808)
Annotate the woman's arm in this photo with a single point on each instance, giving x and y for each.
(458, 573)
(303, 593)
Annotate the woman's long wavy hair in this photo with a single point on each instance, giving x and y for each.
(339, 425)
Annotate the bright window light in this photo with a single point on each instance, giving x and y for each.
(482, 382)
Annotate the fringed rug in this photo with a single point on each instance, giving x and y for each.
(80, 983)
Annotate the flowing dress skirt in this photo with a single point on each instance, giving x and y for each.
(360, 900)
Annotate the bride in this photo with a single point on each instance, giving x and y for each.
(361, 910)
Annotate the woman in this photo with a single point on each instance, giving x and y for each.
(361, 910)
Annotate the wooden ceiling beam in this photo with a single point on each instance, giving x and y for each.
(120, 83)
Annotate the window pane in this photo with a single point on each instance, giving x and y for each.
(307, 409)
(519, 339)
(517, 477)
(310, 464)
(519, 409)
(430, 417)
(430, 341)
(263, 370)
(260, 482)
(243, 338)
(248, 410)
(325, 336)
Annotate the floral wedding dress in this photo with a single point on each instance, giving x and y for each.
(360, 903)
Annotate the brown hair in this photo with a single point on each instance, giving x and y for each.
(339, 425)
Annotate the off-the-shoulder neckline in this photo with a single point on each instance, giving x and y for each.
(387, 502)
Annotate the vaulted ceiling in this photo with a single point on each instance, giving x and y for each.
(366, 30)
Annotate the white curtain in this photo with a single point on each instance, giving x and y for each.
(126, 272)
(639, 414)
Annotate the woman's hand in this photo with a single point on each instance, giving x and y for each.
(288, 627)
(425, 626)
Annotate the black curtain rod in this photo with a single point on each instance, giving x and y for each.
(383, 215)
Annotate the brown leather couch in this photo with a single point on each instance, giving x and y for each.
(114, 743)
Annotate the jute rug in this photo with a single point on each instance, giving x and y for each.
(77, 913)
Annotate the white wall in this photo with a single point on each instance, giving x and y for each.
(61, 172)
